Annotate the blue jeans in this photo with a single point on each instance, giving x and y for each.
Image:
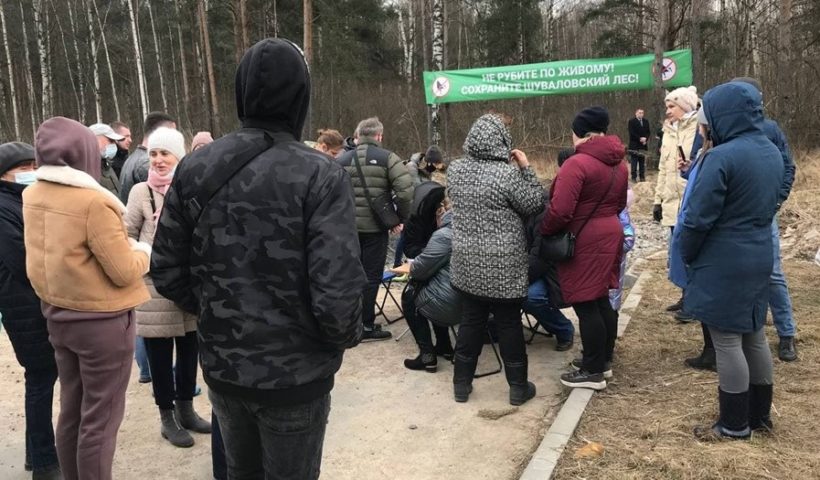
(779, 300)
(141, 354)
(271, 442)
(549, 317)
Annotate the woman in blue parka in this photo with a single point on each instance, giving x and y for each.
(726, 244)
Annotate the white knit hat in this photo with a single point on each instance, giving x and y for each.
(167, 139)
(685, 97)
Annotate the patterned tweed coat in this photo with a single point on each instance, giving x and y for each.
(491, 199)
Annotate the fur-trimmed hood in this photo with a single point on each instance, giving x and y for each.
(72, 177)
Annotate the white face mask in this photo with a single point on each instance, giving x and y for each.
(110, 151)
(25, 178)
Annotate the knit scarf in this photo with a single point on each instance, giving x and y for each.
(160, 184)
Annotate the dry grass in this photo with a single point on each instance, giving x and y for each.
(800, 216)
(645, 418)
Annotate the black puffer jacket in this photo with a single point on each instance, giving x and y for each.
(272, 266)
(19, 304)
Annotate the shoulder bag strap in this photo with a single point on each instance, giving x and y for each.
(151, 198)
(223, 174)
(361, 176)
(600, 201)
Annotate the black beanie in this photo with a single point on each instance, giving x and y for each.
(433, 155)
(591, 119)
(13, 154)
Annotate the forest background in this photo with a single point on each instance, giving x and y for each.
(106, 60)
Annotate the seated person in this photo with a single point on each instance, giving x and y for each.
(538, 304)
(430, 297)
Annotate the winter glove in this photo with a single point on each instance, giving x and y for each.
(657, 212)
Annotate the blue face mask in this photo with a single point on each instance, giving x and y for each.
(110, 151)
(25, 178)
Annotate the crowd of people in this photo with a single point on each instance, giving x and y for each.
(259, 258)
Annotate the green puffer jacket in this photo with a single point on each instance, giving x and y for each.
(383, 171)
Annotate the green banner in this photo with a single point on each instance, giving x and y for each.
(557, 78)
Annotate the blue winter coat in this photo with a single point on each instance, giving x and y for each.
(677, 269)
(725, 237)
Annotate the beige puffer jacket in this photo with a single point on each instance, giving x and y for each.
(670, 186)
(158, 317)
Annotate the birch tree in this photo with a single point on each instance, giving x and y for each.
(209, 62)
(13, 94)
(45, 78)
(186, 94)
(138, 59)
(159, 56)
(29, 76)
(95, 68)
(80, 74)
(68, 66)
(101, 25)
(438, 65)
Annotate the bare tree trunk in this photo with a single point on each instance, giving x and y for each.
(697, 57)
(206, 40)
(45, 78)
(243, 27)
(175, 76)
(101, 25)
(438, 65)
(80, 73)
(138, 58)
(308, 49)
(29, 80)
(660, 44)
(159, 56)
(16, 117)
(405, 36)
(186, 92)
(68, 62)
(785, 57)
(95, 68)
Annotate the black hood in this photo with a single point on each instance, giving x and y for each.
(273, 87)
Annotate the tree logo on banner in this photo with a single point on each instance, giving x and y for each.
(441, 86)
(668, 69)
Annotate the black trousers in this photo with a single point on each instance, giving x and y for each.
(638, 164)
(419, 324)
(471, 331)
(599, 329)
(374, 251)
(171, 382)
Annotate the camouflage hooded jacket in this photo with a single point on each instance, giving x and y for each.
(272, 265)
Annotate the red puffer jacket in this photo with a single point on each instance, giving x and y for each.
(596, 171)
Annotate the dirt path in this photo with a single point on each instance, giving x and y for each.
(386, 422)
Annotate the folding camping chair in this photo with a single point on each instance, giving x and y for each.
(387, 282)
(533, 326)
(495, 352)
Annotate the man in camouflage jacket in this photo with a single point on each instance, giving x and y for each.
(383, 171)
(272, 269)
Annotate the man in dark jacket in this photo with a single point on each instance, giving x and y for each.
(779, 301)
(271, 266)
(123, 146)
(21, 313)
(384, 175)
(639, 132)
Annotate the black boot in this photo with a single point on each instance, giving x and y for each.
(675, 306)
(189, 419)
(786, 350)
(707, 359)
(463, 374)
(760, 406)
(734, 419)
(424, 361)
(52, 473)
(520, 389)
(173, 431)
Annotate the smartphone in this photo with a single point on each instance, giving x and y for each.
(681, 154)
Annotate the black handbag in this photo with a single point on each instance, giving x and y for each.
(561, 246)
(381, 205)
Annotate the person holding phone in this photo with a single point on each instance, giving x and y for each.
(679, 133)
